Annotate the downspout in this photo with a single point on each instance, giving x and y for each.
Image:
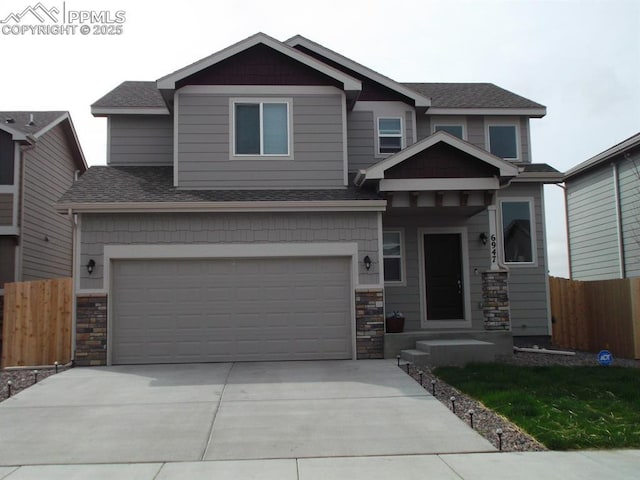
(616, 190)
(74, 265)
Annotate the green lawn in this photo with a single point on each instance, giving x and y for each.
(562, 407)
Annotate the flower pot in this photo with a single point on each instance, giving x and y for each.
(395, 324)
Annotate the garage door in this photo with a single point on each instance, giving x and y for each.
(176, 311)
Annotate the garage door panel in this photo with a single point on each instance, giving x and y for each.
(231, 310)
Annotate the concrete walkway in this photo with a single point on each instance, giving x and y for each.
(244, 411)
(614, 464)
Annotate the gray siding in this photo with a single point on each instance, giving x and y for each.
(7, 261)
(406, 299)
(204, 143)
(528, 284)
(140, 140)
(99, 230)
(423, 126)
(46, 236)
(361, 139)
(524, 140)
(592, 226)
(408, 130)
(475, 131)
(6, 209)
(629, 181)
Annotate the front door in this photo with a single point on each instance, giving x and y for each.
(443, 273)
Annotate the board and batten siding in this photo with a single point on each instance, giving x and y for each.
(140, 140)
(593, 236)
(46, 235)
(99, 230)
(528, 298)
(6, 209)
(204, 157)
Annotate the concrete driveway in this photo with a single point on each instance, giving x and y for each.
(241, 411)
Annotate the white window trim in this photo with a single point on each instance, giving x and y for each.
(400, 135)
(466, 283)
(261, 101)
(534, 239)
(504, 124)
(403, 263)
(454, 122)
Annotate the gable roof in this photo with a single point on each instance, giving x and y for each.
(131, 97)
(421, 101)
(168, 82)
(136, 188)
(376, 172)
(475, 98)
(618, 149)
(29, 126)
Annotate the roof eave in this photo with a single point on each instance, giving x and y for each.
(608, 155)
(106, 111)
(539, 177)
(528, 112)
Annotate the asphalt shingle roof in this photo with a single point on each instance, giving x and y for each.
(111, 184)
(132, 94)
(471, 95)
(538, 168)
(443, 95)
(20, 120)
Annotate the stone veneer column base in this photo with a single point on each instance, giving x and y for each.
(495, 300)
(369, 323)
(91, 330)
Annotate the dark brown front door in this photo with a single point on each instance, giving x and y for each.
(443, 275)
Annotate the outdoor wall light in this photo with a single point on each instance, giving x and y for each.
(367, 262)
(483, 238)
(90, 265)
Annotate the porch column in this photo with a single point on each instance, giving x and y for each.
(493, 237)
(495, 282)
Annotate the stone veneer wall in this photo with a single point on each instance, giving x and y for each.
(495, 300)
(91, 330)
(369, 323)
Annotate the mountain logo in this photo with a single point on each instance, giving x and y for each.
(39, 11)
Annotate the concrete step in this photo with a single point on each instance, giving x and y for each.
(417, 357)
(457, 352)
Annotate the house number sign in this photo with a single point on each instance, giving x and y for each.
(494, 249)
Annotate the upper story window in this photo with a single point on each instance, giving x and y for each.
(518, 231)
(261, 128)
(503, 141)
(393, 256)
(6, 159)
(389, 135)
(456, 130)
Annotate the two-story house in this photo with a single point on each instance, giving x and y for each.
(273, 200)
(40, 157)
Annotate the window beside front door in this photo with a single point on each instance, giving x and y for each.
(393, 257)
(503, 141)
(518, 233)
(389, 135)
(261, 128)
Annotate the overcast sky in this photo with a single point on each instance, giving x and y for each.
(579, 58)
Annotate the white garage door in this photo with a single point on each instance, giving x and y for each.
(176, 311)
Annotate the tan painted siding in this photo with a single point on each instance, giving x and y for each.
(140, 140)
(99, 230)
(204, 144)
(46, 236)
(6, 209)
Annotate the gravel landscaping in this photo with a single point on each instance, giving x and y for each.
(23, 378)
(486, 421)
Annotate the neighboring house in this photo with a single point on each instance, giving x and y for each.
(273, 200)
(40, 157)
(603, 208)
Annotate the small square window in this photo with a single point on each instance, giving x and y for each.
(389, 135)
(261, 128)
(517, 232)
(503, 141)
(455, 130)
(392, 255)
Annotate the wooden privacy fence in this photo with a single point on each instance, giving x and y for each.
(37, 320)
(593, 316)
